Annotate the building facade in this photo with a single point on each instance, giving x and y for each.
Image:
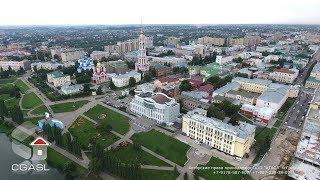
(143, 62)
(99, 74)
(156, 106)
(232, 140)
(313, 80)
(15, 65)
(284, 75)
(72, 55)
(122, 80)
(58, 79)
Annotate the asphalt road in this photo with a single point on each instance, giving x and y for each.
(296, 114)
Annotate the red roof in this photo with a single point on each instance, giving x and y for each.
(160, 98)
(168, 80)
(206, 88)
(284, 70)
(194, 82)
(39, 141)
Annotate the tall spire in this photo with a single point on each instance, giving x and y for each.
(142, 62)
(141, 27)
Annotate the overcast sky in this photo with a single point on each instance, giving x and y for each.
(43, 12)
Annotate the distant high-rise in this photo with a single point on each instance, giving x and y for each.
(142, 63)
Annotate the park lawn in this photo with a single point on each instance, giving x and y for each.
(7, 81)
(164, 145)
(39, 110)
(284, 109)
(21, 85)
(25, 113)
(148, 174)
(260, 136)
(129, 154)
(58, 161)
(118, 122)
(217, 169)
(30, 101)
(68, 107)
(85, 131)
(34, 120)
(277, 123)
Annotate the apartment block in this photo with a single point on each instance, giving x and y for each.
(232, 140)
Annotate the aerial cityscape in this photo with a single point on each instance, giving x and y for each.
(155, 100)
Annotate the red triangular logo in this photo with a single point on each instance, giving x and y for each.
(39, 141)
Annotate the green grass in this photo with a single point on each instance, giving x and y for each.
(34, 120)
(67, 107)
(85, 131)
(148, 174)
(129, 154)
(21, 85)
(284, 109)
(4, 97)
(9, 101)
(118, 121)
(210, 171)
(164, 145)
(6, 81)
(6, 128)
(39, 110)
(277, 123)
(260, 136)
(30, 100)
(59, 161)
(92, 176)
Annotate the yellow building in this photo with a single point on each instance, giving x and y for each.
(233, 140)
(58, 79)
(206, 40)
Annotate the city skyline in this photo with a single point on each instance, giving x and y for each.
(165, 12)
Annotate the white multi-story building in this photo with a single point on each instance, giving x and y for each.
(72, 55)
(223, 60)
(15, 65)
(272, 95)
(156, 106)
(123, 79)
(50, 65)
(265, 49)
(313, 80)
(233, 140)
(97, 55)
(58, 79)
(71, 89)
(284, 75)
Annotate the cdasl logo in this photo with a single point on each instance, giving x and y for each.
(35, 157)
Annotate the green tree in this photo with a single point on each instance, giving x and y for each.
(215, 112)
(16, 114)
(3, 110)
(95, 165)
(185, 86)
(112, 86)
(69, 168)
(99, 91)
(86, 89)
(185, 176)
(175, 172)
(147, 78)
(131, 92)
(132, 82)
